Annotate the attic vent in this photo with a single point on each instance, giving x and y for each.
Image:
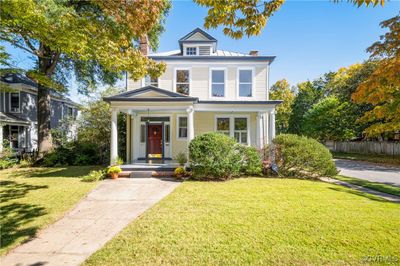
(204, 50)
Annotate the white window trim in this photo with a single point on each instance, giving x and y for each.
(144, 83)
(191, 46)
(177, 127)
(238, 84)
(19, 104)
(210, 82)
(232, 125)
(190, 78)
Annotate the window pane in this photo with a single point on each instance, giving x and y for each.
(191, 51)
(167, 135)
(223, 124)
(245, 90)
(182, 132)
(218, 76)
(240, 123)
(218, 90)
(14, 101)
(237, 136)
(182, 88)
(142, 133)
(243, 138)
(150, 81)
(245, 76)
(182, 76)
(182, 121)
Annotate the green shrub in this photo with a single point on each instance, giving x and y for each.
(73, 153)
(251, 163)
(181, 158)
(213, 156)
(302, 157)
(8, 162)
(94, 176)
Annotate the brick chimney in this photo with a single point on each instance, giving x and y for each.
(253, 53)
(144, 45)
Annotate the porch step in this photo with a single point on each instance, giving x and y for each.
(146, 174)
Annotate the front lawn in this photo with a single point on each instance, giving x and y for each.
(259, 221)
(32, 198)
(372, 185)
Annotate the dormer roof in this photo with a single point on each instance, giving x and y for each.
(198, 36)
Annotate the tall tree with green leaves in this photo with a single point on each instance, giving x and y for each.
(281, 91)
(382, 88)
(92, 41)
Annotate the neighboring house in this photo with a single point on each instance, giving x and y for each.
(203, 89)
(18, 112)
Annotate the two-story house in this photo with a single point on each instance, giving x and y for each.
(203, 89)
(18, 112)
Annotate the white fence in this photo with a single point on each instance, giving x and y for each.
(365, 147)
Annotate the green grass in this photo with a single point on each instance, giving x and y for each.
(32, 198)
(373, 158)
(372, 185)
(260, 222)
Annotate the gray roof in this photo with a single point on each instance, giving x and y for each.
(15, 78)
(210, 38)
(12, 119)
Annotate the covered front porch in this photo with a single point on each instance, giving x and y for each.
(160, 127)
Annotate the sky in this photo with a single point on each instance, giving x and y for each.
(308, 38)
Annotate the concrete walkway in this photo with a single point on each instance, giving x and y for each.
(389, 175)
(111, 206)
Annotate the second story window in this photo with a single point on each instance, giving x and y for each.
(183, 81)
(14, 102)
(191, 50)
(217, 83)
(70, 112)
(245, 83)
(150, 81)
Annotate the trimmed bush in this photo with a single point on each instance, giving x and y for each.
(217, 156)
(302, 157)
(213, 156)
(94, 176)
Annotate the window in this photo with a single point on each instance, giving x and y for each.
(183, 81)
(150, 81)
(245, 83)
(191, 50)
(14, 102)
(182, 127)
(217, 83)
(223, 125)
(142, 133)
(70, 112)
(14, 130)
(240, 129)
(235, 127)
(167, 133)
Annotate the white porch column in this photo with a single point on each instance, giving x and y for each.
(133, 115)
(1, 138)
(190, 124)
(259, 131)
(114, 135)
(271, 125)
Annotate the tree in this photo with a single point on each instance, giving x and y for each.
(329, 119)
(281, 91)
(92, 41)
(382, 87)
(249, 17)
(307, 96)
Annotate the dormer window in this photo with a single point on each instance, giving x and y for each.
(191, 50)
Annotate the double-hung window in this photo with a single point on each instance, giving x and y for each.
(235, 127)
(217, 83)
(182, 81)
(245, 82)
(150, 81)
(191, 50)
(14, 102)
(182, 127)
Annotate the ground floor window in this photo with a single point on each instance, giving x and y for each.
(236, 127)
(182, 127)
(14, 142)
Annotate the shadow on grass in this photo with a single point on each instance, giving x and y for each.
(70, 171)
(15, 215)
(361, 194)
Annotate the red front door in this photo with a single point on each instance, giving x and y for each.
(154, 140)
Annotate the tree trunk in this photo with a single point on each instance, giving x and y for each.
(46, 67)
